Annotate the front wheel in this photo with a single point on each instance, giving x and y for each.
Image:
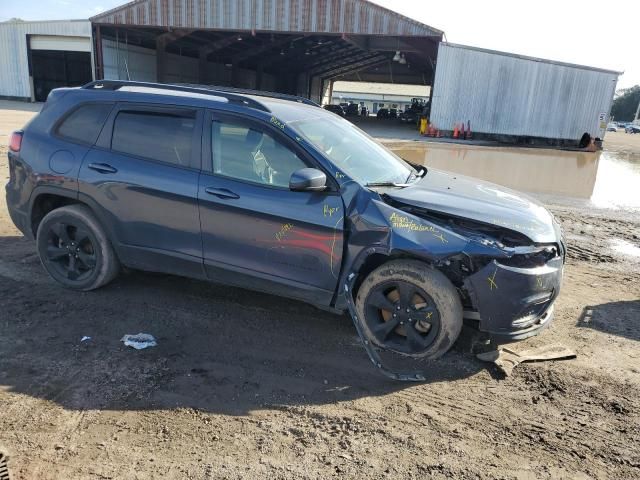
(75, 250)
(410, 308)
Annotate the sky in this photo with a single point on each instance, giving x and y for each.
(587, 32)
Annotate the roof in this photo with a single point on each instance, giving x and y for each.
(19, 21)
(532, 59)
(382, 88)
(314, 16)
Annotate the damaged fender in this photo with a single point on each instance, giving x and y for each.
(509, 301)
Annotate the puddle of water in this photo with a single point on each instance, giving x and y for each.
(624, 247)
(618, 181)
(609, 179)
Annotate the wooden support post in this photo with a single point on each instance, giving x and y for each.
(161, 59)
(202, 67)
(98, 55)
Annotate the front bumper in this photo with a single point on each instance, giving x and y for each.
(512, 303)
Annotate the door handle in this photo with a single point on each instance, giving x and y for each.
(102, 168)
(221, 192)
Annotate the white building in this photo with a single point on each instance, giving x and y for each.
(39, 56)
(378, 95)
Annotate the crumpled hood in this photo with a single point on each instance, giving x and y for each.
(486, 202)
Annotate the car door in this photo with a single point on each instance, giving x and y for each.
(256, 232)
(142, 179)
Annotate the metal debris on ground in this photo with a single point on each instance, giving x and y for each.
(506, 359)
(139, 341)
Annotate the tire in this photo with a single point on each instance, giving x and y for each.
(434, 310)
(74, 249)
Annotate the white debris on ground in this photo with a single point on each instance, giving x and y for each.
(139, 341)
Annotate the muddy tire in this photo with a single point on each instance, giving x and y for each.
(410, 308)
(74, 249)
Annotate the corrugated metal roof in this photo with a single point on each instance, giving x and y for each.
(14, 74)
(533, 59)
(316, 16)
(506, 94)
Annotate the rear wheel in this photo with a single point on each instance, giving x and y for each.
(410, 308)
(75, 250)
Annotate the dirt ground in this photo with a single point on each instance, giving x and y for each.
(245, 385)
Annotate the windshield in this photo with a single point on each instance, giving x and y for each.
(353, 151)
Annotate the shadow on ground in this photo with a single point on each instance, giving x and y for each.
(220, 349)
(615, 318)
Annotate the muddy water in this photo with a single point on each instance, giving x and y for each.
(608, 179)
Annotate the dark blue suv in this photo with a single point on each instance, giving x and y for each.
(272, 193)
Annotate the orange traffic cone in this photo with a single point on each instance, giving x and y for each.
(468, 137)
(456, 132)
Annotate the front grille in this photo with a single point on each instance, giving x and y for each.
(538, 258)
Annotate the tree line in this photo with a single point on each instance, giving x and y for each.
(625, 104)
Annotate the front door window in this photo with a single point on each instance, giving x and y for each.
(244, 153)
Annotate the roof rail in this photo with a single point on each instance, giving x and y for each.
(257, 93)
(232, 97)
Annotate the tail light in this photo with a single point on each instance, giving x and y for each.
(16, 141)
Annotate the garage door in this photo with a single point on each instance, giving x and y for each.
(59, 61)
(57, 42)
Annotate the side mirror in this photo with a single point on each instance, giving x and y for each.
(308, 180)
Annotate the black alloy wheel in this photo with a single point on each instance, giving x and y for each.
(402, 317)
(71, 251)
(409, 307)
(74, 248)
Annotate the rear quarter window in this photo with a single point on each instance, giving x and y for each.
(84, 124)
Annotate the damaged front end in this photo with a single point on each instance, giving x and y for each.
(507, 282)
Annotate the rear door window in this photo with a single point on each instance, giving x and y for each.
(165, 136)
(84, 124)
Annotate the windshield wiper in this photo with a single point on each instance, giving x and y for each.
(387, 184)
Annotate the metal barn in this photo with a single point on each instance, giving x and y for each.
(289, 46)
(39, 56)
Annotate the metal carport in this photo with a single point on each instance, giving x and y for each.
(288, 46)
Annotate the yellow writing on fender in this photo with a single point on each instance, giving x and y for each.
(406, 223)
(328, 211)
(400, 221)
(283, 231)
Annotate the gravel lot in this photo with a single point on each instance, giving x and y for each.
(245, 385)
